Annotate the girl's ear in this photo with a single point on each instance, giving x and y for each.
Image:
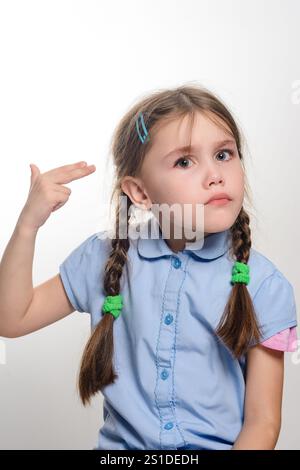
(135, 190)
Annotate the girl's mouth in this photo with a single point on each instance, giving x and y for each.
(219, 202)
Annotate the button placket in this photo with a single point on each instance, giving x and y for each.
(170, 434)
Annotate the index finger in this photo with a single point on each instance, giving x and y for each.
(68, 173)
(71, 166)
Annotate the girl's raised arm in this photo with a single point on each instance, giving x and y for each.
(24, 309)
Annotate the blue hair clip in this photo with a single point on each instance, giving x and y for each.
(144, 137)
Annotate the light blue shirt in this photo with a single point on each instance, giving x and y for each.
(178, 385)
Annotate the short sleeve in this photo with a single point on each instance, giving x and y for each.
(81, 272)
(285, 340)
(275, 305)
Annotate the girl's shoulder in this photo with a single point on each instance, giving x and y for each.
(265, 272)
(272, 294)
(96, 245)
(261, 263)
(83, 268)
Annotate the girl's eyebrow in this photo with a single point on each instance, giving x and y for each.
(186, 148)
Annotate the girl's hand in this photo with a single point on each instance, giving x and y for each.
(47, 192)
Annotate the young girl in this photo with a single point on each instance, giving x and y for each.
(187, 339)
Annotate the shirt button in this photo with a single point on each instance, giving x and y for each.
(169, 425)
(176, 262)
(165, 374)
(168, 319)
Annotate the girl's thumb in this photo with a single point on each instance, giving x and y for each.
(34, 171)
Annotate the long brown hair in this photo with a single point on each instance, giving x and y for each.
(238, 326)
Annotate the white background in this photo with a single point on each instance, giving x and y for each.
(69, 70)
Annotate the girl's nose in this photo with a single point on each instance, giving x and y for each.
(214, 178)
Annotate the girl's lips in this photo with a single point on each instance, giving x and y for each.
(219, 202)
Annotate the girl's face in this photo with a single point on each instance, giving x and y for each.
(172, 176)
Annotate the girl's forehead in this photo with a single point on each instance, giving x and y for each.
(175, 133)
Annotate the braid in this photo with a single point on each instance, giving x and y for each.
(97, 361)
(238, 326)
(241, 237)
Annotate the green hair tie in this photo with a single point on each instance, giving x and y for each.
(113, 304)
(240, 273)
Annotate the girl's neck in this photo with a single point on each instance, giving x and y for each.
(177, 244)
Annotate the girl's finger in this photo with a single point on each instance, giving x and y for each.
(66, 176)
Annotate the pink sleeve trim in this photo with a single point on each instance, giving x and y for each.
(285, 340)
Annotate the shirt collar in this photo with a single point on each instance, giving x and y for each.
(213, 246)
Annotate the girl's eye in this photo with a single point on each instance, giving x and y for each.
(223, 151)
(182, 159)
